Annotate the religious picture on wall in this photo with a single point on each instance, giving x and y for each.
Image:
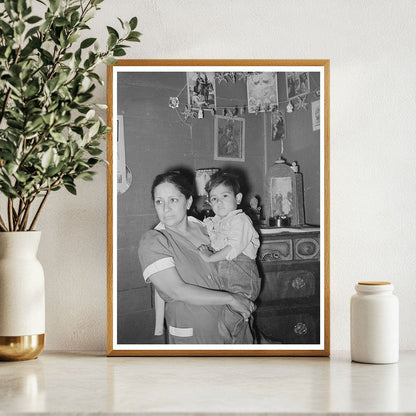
(229, 139)
(316, 119)
(121, 153)
(297, 83)
(282, 197)
(201, 90)
(278, 125)
(262, 92)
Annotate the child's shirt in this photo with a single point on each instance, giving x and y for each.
(235, 230)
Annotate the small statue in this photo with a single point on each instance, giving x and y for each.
(254, 211)
(295, 167)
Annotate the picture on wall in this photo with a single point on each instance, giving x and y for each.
(201, 90)
(315, 111)
(278, 125)
(161, 228)
(229, 138)
(262, 92)
(121, 154)
(297, 83)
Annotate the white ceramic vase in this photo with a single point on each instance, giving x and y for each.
(22, 296)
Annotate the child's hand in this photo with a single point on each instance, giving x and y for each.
(205, 252)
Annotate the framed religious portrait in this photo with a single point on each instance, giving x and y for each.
(315, 113)
(229, 138)
(297, 83)
(201, 90)
(278, 125)
(262, 92)
(191, 166)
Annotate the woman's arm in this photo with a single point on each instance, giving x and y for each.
(171, 287)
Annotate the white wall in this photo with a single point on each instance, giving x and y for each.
(373, 177)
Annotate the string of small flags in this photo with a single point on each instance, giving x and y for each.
(294, 103)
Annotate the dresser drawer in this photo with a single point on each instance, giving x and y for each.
(279, 250)
(301, 328)
(289, 284)
(306, 248)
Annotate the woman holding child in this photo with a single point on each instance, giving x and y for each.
(174, 259)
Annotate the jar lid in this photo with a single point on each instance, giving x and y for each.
(370, 287)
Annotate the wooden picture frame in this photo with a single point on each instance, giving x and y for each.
(229, 138)
(161, 132)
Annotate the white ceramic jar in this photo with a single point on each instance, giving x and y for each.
(374, 323)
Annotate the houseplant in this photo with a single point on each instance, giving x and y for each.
(50, 133)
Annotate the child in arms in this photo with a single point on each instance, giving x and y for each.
(234, 244)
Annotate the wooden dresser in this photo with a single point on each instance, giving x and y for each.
(288, 305)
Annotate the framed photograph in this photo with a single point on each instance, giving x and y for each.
(201, 90)
(315, 112)
(229, 138)
(262, 92)
(297, 83)
(278, 125)
(164, 297)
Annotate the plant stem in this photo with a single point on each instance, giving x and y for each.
(10, 213)
(26, 216)
(38, 211)
(2, 225)
(20, 213)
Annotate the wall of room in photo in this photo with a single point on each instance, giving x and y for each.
(157, 138)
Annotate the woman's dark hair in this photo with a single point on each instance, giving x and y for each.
(223, 178)
(177, 178)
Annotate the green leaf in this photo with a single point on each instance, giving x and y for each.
(133, 23)
(90, 114)
(110, 60)
(94, 151)
(52, 171)
(21, 5)
(134, 36)
(94, 129)
(34, 125)
(21, 177)
(47, 158)
(121, 22)
(74, 18)
(54, 4)
(31, 32)
(112, 31)
(119, 52)
(61, 21)
(112, 41)
(87, 42)
(73, 38)
(11, 168)
(6, 29)
(60, 138)
(70, 188)
(33, 19)
(86, 176)
(20, 27)
(48, 118)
